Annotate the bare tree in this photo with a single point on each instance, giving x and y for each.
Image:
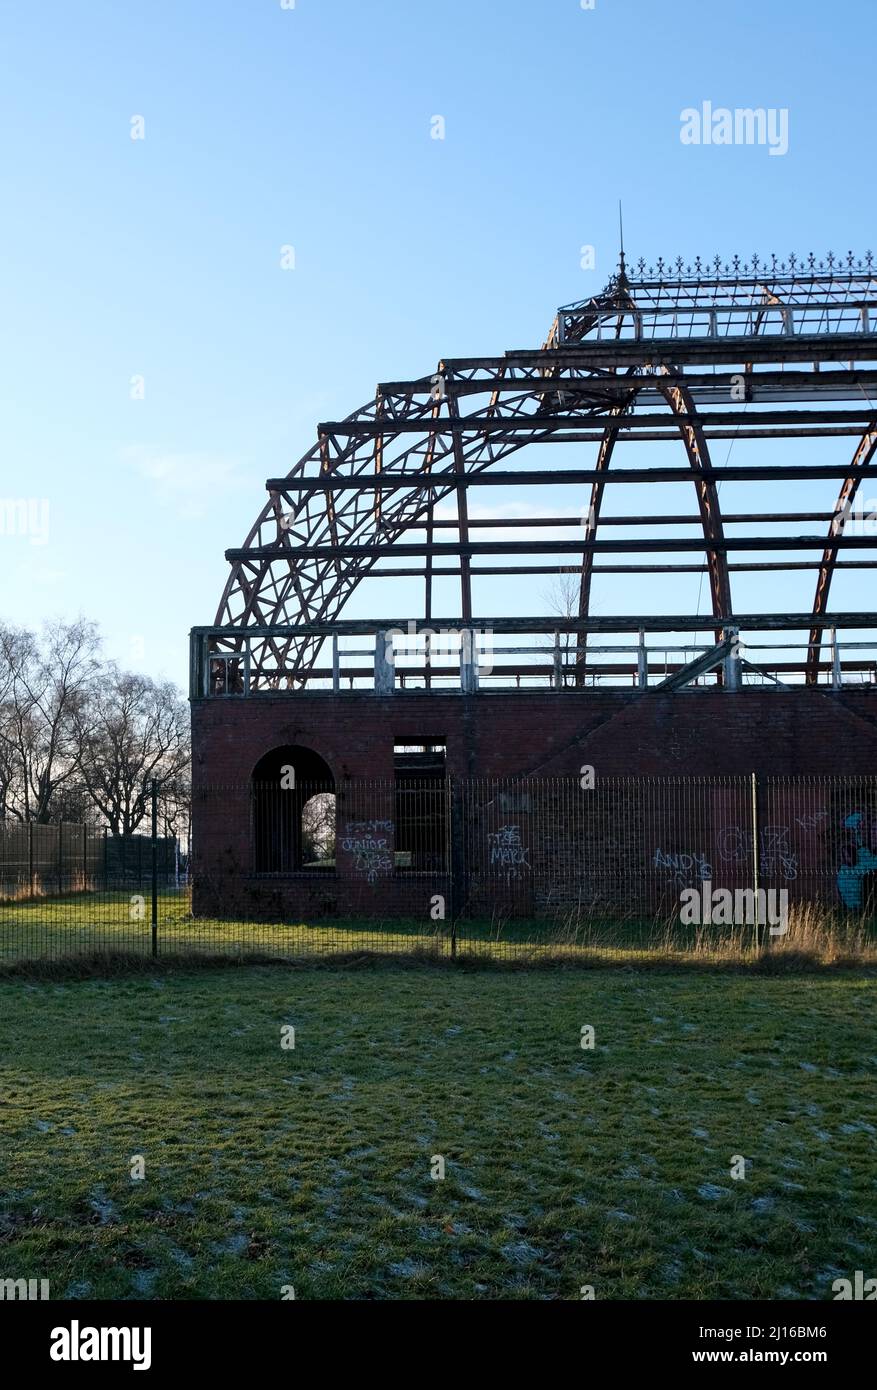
(7, 725)
(130, 731)
(44, 683)
(318, 828)
(562, 599)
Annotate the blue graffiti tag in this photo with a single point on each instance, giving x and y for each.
(850, 876)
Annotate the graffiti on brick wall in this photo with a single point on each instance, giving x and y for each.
(369, 843)
(683, 869)
(838, 847)
(783, 855)
(508, 851)
(776, 856)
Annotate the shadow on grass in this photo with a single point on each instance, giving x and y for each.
(117, 964)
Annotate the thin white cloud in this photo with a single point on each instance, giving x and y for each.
(30, 574)
(187, 483)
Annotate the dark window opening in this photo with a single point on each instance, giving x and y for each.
(420, 769)
(226, 675)
(293, 797)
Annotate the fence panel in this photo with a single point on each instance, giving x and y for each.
(627, 866)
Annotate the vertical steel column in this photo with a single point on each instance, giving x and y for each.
(462, 506)
(642, 665)
(732, 660)
(336, 665)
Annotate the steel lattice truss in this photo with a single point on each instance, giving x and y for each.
(688, 353)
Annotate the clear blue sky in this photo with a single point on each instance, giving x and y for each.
(311, 127)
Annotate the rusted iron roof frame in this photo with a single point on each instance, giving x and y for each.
(354, 487)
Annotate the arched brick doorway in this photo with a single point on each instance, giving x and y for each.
(293, 799)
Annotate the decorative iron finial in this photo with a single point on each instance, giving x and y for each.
(622, 268)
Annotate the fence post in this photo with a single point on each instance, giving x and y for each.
(30, 870)
(459, 890)
(755, 852)
(84, 858)
(106, 865)
(60, 857)
(154, 794)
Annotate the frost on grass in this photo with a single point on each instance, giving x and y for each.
(711, 1193)
(323, 1181)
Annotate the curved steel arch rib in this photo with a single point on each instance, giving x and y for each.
(246, 582)
(312, 589)
(681, 403)
(316, 589)
(696, 447)
(865, 451)
(592, 521)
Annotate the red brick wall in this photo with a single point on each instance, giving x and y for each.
(702, 732)
(692, 733)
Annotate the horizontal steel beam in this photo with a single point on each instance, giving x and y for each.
(589, 433)
(860, 381)
(698, 622)
(634, 545)
(446, 572)
(388, 425)
(672, 352)
(732, 519)
(575, 477)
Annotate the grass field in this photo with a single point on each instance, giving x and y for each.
(86, 924)
(565, 1167)
(83, 924)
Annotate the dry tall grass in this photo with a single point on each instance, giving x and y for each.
(819, 934)
(45, 886)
